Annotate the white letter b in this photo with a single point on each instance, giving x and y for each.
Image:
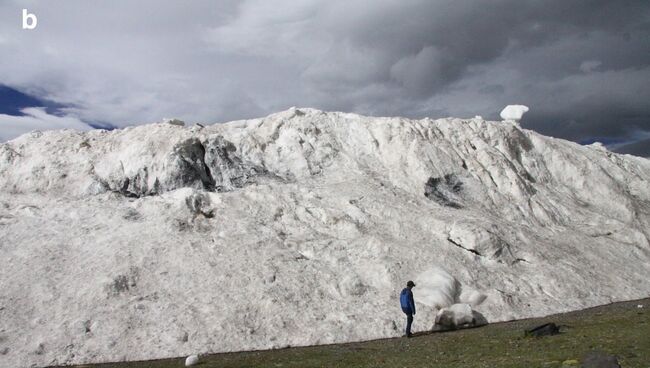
(29, 20)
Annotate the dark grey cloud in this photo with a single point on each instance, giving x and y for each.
(639, 148)
(581, 66)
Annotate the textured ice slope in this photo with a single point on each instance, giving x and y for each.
(301, 228)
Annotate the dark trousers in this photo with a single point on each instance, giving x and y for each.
(409, 321)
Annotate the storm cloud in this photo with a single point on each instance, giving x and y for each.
(582, 66)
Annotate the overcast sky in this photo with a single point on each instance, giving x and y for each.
(583, 67)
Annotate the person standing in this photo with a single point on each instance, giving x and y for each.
(408, 305)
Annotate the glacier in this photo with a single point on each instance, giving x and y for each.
(301, 228)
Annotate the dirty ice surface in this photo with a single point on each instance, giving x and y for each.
(302, 228)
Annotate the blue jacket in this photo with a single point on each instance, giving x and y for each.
(407, 302)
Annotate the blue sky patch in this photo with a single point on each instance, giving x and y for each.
(12, 101)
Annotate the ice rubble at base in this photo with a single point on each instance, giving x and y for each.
(301, 228)
(457, 316)
(191, 360)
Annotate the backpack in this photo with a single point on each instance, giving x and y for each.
(544, 330)
(404, 301)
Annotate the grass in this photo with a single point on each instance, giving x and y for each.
(619, 329)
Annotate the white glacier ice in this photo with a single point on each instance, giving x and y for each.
(455, 315)
(302, 228)
(191, 360)
(513, 112)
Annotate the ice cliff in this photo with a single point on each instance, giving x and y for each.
(301, 228)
